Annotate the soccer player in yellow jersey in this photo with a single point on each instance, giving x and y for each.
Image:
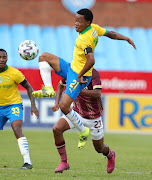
(11, 107)
(77, 74)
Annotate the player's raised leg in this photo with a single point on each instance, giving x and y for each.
(58, 129)
(75, 119)
(22, 143)
(46, 61)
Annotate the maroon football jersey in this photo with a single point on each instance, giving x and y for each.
(89, 107)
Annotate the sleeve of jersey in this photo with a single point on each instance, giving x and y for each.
(96, 82)
(19, 77)
(101, 31)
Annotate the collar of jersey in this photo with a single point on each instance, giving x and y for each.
(86, 29)
(6, 67)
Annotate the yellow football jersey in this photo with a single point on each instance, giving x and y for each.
(9, 80)
(88, 37)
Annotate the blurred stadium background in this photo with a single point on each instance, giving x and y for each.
(126, 74)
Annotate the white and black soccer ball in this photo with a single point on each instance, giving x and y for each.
(28, 50)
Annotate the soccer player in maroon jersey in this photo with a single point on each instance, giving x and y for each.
(88, 106)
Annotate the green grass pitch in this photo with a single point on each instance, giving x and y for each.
(133, 157)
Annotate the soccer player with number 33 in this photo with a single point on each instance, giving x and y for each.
(11, 107)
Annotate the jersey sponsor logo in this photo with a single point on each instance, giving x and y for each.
(7, 85)
(74, 6)
(7, 79)
(1, 79)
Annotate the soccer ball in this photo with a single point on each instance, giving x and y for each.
(28, 50)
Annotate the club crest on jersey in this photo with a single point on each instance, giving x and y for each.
(1, 79)
(75, 5)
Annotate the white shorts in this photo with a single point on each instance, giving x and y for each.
(95, 126)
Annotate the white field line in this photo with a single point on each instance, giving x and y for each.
(123, 172)
(25, 169)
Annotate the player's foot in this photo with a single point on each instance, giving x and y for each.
(111, 163)
(63, 166)
(46, 91)
(26, 166)
(83, 138)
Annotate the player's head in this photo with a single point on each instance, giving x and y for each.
(3, 58)
(83, 19)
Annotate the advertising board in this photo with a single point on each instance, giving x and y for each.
(129, 113)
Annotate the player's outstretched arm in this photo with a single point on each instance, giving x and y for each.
(115, 35)
(58, 96)
(29, 89)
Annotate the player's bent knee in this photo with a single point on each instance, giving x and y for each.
(64, 108)
(43, 57)
(57, 130)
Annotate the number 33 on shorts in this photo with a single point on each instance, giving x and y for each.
(16, 111)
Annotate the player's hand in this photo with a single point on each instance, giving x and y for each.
(55, 107)
(131, 42)
(81, 81)
(35, 111)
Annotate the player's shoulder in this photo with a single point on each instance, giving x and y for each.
(94, 25)
(14, 71)
(100, 30)
(95, 72)
(12, 68)
(96, 82)
(95, 75)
